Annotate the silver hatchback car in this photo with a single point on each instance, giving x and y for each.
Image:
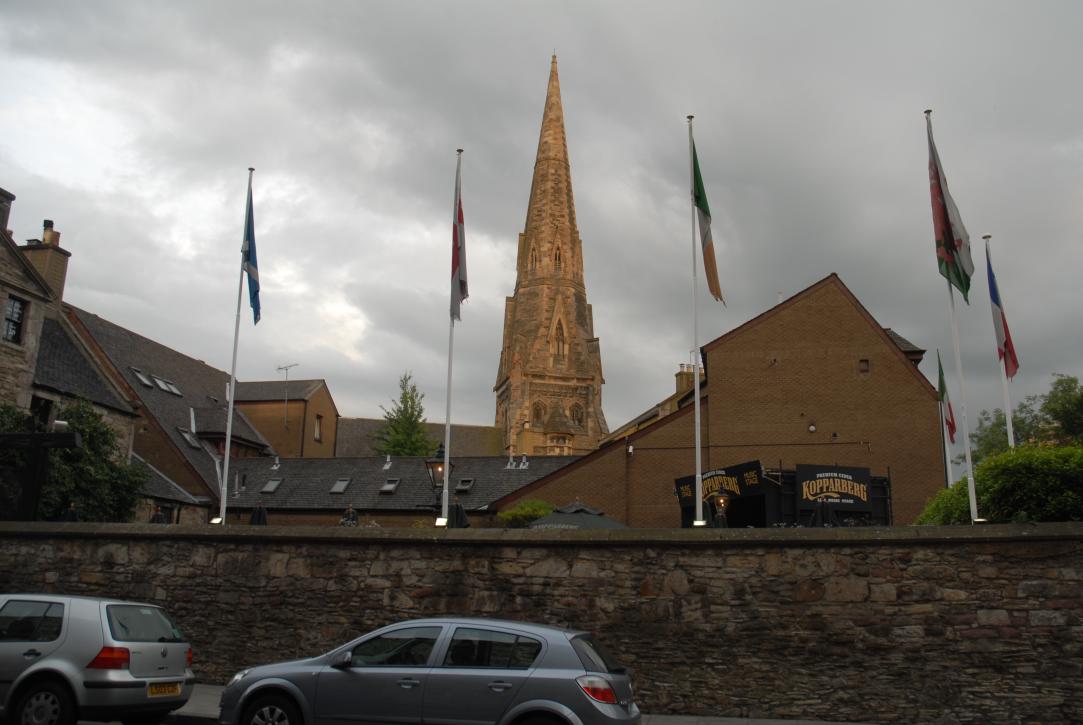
(66, 658)
(441, 672)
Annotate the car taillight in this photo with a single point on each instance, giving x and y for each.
(188, 657)
(597, 688)
(111, 658)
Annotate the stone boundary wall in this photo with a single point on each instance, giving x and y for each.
(897, 625)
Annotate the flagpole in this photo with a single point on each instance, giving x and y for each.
(447, 424)
(223, 485)
(1002, 361)
(962, 406)
(450, 347)
(699, 521)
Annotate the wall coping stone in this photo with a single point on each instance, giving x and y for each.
(734, 538)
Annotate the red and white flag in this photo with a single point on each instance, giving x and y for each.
(458, 247)
(945, 402)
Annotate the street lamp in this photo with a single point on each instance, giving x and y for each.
(721, 503)
(439, 468)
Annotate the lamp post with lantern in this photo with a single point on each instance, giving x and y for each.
(439, 468)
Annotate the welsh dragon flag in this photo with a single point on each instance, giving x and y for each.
(952, 241)
(945, 403)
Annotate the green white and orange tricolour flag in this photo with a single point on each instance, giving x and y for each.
(703, 213)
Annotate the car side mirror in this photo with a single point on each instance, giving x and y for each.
(343, 661)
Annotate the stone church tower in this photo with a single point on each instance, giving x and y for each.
(549, 385)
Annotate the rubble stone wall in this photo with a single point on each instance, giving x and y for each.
(904, 625)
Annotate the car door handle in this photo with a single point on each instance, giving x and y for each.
(408, 682)
(499, 686)
(31, 653)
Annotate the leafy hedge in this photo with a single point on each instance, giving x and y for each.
(1030, 483)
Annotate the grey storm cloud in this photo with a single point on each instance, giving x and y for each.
(132, 126)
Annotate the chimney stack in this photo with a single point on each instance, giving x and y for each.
(49, 235)
(48, 258)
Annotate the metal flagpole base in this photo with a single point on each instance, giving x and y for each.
(699, 523)
(441, 521)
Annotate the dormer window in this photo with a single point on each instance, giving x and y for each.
(189, 438)
(166, 385)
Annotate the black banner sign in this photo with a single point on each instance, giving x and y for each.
(741, 480)
(837, 486)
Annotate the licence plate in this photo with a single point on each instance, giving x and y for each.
(163, 689)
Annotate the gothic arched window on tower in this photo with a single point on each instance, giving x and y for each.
(557, 262)
(537, 417)
(577, 414)
(560, 345)
(533, 259)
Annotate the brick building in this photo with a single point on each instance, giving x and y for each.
(297, 417)
(813, 380)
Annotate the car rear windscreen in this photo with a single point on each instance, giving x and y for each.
(135, 623)
(594, 657)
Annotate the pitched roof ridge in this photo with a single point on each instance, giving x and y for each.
(46, 291)
(81, 312)
(834, 279)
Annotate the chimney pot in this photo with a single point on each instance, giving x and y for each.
(49, 235)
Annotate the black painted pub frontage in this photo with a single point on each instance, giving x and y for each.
(746, 495)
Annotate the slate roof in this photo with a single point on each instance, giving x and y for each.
(306, 482)
(160, 487)
(355, 438)
(200, 386)
(576, 516)
(902, 343)
(263, 390)
(64, 368)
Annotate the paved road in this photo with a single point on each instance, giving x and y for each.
(202, 709)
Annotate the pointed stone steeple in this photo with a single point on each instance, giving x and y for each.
(548, 388)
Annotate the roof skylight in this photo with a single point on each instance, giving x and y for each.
(340, 485)
(272, 485)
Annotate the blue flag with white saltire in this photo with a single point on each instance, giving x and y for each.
(248, 255)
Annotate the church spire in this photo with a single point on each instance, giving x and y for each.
(551, 211)
(549, 383)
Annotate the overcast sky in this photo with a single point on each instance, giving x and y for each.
(132, 125)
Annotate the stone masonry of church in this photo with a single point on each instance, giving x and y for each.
(549, 384)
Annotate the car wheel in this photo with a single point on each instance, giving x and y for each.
(272, 710)
(45, 703)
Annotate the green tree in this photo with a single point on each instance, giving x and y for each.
(1029, 424)
(1063, 406)
(403, 432)
(1055, 418)
(1029, 483)
(523, 513)
(95, 476)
